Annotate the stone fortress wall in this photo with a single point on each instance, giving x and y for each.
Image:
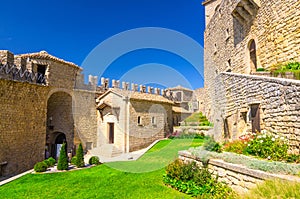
(22, 126)
(23, 120)
(241, 36)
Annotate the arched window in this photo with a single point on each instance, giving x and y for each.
(253, 59)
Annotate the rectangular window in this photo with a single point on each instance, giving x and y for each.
(41, 71)
(111, 133)
(139, 120)
(153, 120)
(88, 145)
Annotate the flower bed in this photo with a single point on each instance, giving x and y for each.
(263, 145)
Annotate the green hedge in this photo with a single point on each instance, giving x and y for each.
(190, 179)
(40, 167)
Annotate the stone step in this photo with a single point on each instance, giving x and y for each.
(106, 150)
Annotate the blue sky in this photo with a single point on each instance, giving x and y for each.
(72, 29)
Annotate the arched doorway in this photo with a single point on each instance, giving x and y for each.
(60, 123)
(60, 139)
(252, 55)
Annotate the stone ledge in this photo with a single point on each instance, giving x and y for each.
(282, 81)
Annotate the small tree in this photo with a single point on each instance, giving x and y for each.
(79, 155)
(63, 158)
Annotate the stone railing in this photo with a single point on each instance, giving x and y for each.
(240, 178)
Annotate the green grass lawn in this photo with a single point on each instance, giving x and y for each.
(133, 179)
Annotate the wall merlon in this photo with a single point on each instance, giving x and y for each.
(6, 57)
(134, 87)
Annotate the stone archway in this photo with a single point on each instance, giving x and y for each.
(59, 140)
(60, 122)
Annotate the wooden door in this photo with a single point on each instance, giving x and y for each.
(255, 117)
(111, 133)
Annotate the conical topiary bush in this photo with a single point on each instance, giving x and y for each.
(63, 159)
(79, 155)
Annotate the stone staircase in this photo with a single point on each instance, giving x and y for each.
(106, 150)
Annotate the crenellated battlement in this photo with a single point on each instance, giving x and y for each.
(57, 72)
(19, 69)
(106, 84)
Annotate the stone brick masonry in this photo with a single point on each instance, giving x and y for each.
(241, 36)
(279, 101)
(142, 135)
(22, 126)
(274, 27)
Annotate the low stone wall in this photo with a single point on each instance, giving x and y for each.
(238, 177)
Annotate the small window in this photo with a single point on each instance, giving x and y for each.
(229, 63)
(41, 71)
(228, 66)
(217, 8)
(215, 49)
(89, 145)
(139, 120)
(253, 57)
(227, 35)
(179, 96)
(153, 120)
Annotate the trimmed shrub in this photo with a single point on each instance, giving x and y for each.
(63, 159)
(94, 160)
(50, 162)
(74, 160)
(47, 163)
(79, 155)
(40, 167)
